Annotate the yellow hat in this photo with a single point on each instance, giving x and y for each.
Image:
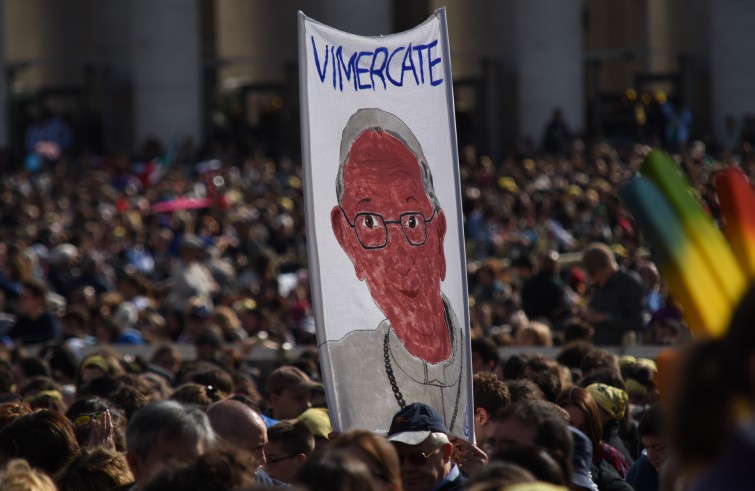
(647, 362)
(317, 420)
(626, 360)
(96, 361)
(612, 400)
(507, 183)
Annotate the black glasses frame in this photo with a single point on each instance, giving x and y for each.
(385, 226)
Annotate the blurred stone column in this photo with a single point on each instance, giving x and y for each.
(732, 71)
(481, 36)
(166, 63)
(258, 38)
(4, 115)
(535, 50)
(362, 17)
(549, 64)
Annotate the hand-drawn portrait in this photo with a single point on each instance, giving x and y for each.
(390, 224)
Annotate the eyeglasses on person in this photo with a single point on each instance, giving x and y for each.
(418, 459)
(372, 228)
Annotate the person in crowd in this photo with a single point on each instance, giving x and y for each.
(616, 305)
(490, 396)
(500, 474)
(243, 428)
(534, 333)
(424, 450)
(10, 411)
(336, 471)
(166, 362)
(102, 363)
(201, 396)
(288, 448)
(165, 432)
(288, 390)
(484, 355)
(19, 475)
(88, 417)
(35, 324)
(376, 453)
(317, 420)
(191, 277)
(94, 469)
(613, 404)
(544, 294)
(582, 478)
(28, 367)
(644, 475)
(44, 438)
(557, 137)
(571, 356)
(524, 390)
(584, 415)
(216, 469)
(535, 423)
(546, 374)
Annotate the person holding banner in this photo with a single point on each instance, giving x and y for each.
(389, 222)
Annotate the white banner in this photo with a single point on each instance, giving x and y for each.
(384, 224)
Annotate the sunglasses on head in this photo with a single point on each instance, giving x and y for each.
(418, 459)
(86, 418)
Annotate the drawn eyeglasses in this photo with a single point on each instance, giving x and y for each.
(372, 228)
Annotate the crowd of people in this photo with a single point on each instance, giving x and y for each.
(162, 250)
(584, 420)
(158, 250)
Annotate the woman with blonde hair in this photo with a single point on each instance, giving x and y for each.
(19, 476)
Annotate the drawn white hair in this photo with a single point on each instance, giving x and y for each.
(372, 119)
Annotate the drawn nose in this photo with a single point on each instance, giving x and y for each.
(401, 262)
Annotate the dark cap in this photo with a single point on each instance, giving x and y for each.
(414, 423)
(289, 377)
(582, 460)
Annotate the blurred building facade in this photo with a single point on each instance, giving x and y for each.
(126, 71)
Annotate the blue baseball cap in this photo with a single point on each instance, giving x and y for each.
(582, 460)
(414, 423)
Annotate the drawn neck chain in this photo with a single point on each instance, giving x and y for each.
(397, 392)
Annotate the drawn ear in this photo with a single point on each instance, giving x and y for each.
(441, 225)
(346, 238)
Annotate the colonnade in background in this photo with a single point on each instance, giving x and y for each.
(154, 53)
(528, 53)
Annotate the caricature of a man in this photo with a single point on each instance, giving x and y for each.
(390, 224)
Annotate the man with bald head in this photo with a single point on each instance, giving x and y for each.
(241, 426)
(389, 222)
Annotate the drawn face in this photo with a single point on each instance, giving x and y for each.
(387, 226)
